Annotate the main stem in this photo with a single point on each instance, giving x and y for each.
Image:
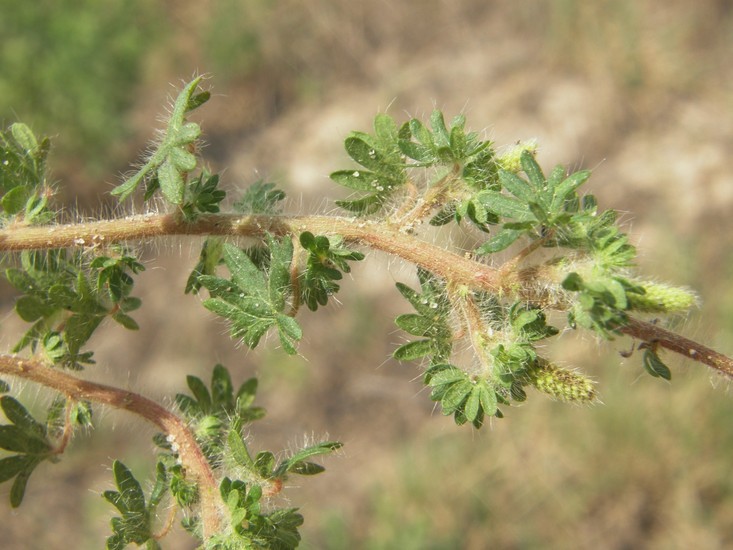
(379, 236)
(193, 460)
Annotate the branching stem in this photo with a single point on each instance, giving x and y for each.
(189, 452)
(457, 269)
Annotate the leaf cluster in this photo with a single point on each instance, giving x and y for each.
(65, 306)
(254, 301)
(533, 206)
(384, 167)
(218, 414)
(23, 185)
(327, 259)
(213, 412)
(391, 153)
(431, 321)
(260, 198)
(137, 516)
(173, 159)
(26, 437)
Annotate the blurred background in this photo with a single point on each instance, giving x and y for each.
(640, 91)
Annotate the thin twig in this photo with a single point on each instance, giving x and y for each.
(649, 332)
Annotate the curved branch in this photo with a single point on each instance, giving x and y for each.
(378, 236)
(188, 450)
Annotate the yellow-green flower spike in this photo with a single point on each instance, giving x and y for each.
(563, 384)
(661, 298)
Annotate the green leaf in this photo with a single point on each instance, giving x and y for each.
(417, 325)
(244, 273)
(363, 206)
(24, 137)
(488, 401)
(11, 466)
(568, 186)
(260, 198)
(473, 404)
(360, 148)
(222, 391)
(14, 201)
(19, 415)
(211, 253)
(200, 392)
(239, 451)
(532, 169)
(358, 180)
(455, 395)
(171, 182)
(413, 350)
(30, 308)
(517, 186)
(503, 239)
(325, 447)
(306, 468)
(446, 376)
(385, 128)
(131, 494)
(654, 365)
(504, 206)
(17, 491)
(126, 321)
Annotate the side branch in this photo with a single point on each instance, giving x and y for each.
(649, 332)
(189, 452)
(378, 236)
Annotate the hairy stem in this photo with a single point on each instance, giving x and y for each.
(453, 267)
(375, 235)
(193, 460)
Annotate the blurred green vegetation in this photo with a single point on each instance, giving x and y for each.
(72, 68)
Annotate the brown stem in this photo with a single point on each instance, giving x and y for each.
(649, 332)
(379, 236)
(189, 452)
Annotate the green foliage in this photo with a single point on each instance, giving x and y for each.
(383, 162)
(65, 307)
(253, 528)
(203, 196)
(326, 260)
(57, 77)
(654, 365)
(465, 398)
(168, 167)
(217, 416)
(535, 206)
(260, 198)
(212, 411)
(26, 437)
(138, 516)
(23, 176)
(431, 321)
(252, 301)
